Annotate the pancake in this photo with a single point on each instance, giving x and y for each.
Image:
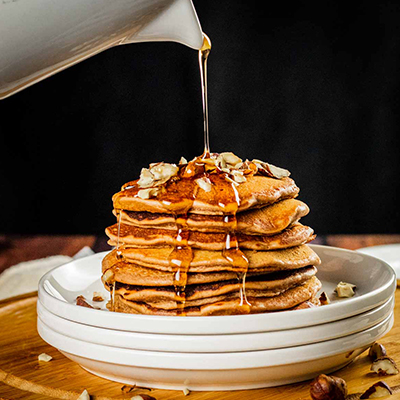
(257, 191)
(265, 221)
(266, 285)
(288, 299)
(212, 261)
(132, 236)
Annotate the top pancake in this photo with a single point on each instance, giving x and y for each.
(256, 191)
(262, 221)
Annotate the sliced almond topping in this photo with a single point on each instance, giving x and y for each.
(238, 176)
(147, 193)
(205, 184)
(345, 289)
(229, 159)
(186, 391)
(146, 178)
(271, 170)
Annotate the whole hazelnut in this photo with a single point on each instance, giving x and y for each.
(325, 387)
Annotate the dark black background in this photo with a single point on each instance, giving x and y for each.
(312, 87)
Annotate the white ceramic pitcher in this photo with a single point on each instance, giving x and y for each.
(41, 37)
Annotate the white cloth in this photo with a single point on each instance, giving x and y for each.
(25, 276)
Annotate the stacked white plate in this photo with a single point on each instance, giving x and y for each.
(219, 352)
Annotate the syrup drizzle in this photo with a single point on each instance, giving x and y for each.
(224, 194)
(203, 57)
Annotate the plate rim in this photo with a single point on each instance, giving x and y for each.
(187, 322)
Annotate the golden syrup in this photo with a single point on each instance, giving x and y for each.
(180, 259)
(203, 57)
(118, 249)
(113, 296)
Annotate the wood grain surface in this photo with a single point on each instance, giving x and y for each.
(22, 376)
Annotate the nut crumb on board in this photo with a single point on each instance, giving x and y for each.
(44, 357)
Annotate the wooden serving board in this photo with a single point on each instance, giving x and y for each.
(22, 376)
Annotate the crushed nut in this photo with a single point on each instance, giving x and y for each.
(81, 301)
(183, 161)
(205, 184)
(270, 170)
(228, 160)
(44, 357)
(147, 193)
(238, 176)
(186, 391)
(384, 366)
(108, 276)
(98, 296)
(345, 289)
(157, 174)
(84, 396)
(378, 389)
(377, 350)
(325, 387)
(324, 299)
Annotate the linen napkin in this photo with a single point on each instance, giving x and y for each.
(24, 277)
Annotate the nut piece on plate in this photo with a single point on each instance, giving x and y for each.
(325, 387)
(186, 391)
(98, 296)
(384, 366)
(324, 299)
(44, 357)
(378, 389)
(81, 301)
(84, 396)
(377, 350)
(345, 289)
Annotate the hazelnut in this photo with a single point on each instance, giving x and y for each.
(325, 387)
(384, 366)
(378, 389)
(324, 299)
(345, 289)
(377, 350)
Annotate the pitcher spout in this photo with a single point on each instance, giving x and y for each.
(177, 23)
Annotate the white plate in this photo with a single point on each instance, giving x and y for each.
(215, 371)
(374, 278)
(216, 343)
(389, 253)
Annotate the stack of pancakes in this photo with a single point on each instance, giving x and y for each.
(215, 247)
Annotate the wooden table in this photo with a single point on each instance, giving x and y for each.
(23, 377)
